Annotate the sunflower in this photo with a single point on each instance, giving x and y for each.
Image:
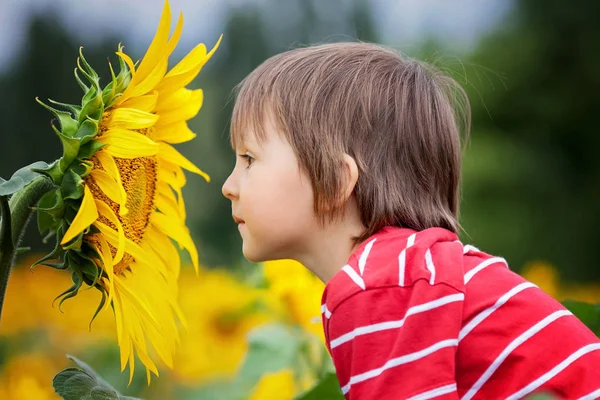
(117, 206)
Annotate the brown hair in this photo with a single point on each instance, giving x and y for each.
(399, 118)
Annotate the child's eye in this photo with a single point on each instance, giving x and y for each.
(248, 158)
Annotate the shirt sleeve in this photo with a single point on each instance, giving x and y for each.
(397, 342)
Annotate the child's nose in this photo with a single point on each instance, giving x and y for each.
(229, 188)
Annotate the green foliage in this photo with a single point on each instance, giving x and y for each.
(589, 314)
(21, 178)
(328, 388)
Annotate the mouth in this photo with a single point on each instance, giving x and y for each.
(238, 220)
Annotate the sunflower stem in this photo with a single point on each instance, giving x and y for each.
(15, 215)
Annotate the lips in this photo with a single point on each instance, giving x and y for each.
(238, 220)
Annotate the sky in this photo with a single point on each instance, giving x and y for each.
(457, 22)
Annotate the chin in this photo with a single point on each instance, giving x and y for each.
(254, 256)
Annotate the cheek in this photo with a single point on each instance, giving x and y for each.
(281, 196)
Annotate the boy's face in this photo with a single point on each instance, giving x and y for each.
(271, 198)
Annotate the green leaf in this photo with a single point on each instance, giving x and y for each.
(84, 384)
(73, 384)
(72, 186)
(589, 314)
(21, 178)
(327, 388)
(84, 366)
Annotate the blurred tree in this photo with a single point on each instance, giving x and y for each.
(532, 172)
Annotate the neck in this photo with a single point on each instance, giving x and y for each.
(331, 246)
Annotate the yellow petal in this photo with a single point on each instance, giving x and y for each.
(185, 111)
(168, 205)
(131, 247)
(110, 166)
(176, 35)
(168, 153)
(124, 143)
(109, 186)
(131, 118)
(187, 69)
(128, 61)
(145, 103)
(107, 265)
(165, 249)
(171, 173)
(171, 100)
(179, 132)
(124, 342)
(107, 212)
(180, 233)
(148, 84)
(157, 48)
(86, 215)
(135, 301)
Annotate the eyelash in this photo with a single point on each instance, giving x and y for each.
(249, 159)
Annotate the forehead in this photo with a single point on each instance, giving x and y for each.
(251, 127)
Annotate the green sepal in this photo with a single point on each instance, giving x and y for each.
(100, 306)
(92, 106)
(72, 291)
(50, 210)
(82, 168)
(68, 125)
(110, 91)
(70, 150)
(54, 254)
(75, 109)
(21, 178)
(89, 149)
(52, 203)
(72, 186)
(75, 243)
(88, 268)
(87, 131)
(119, 83)
(92, 75)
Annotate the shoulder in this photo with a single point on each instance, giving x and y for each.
(397, 257)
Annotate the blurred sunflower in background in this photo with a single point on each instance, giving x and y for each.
(117, 201)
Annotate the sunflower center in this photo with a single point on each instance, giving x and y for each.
(138, 176)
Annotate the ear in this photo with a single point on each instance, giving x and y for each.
(351, 176)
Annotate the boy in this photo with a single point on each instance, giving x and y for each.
(348, 160)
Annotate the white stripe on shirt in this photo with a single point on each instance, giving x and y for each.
(468, 248)
(354, 276)
(402, 259)
(469, 275)
(509, 349)
(382, 326)
(488, 311)
(394, 362)
(430, 394)
(362, 261)
(591, 396)
(325, 310)
(554, 371)
(430, 266)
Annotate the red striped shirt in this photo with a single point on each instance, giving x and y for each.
(417, 315)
